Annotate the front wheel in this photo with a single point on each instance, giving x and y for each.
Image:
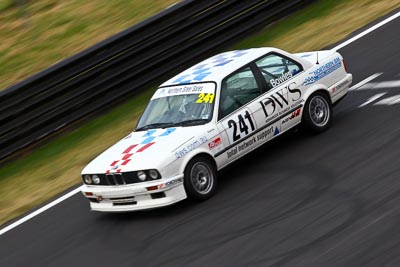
(200, 178)
(317, 116)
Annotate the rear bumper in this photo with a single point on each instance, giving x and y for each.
(341, 88)
(140, 196)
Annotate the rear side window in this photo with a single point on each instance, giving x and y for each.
(277, 69)
(237, 90)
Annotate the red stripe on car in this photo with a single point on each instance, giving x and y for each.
(127, 156)
(125, 162)
(145, 147)
(129, 149)
(114, 163)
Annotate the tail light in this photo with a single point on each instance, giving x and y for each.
(344, 65)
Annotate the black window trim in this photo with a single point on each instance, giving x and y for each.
(254, 69)
(260, 80)
(265, 88)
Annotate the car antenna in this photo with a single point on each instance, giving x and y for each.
(317, 58)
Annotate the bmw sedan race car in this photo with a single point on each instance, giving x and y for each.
(207, 117)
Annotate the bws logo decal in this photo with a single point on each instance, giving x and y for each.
(183, 151)
(281, 99)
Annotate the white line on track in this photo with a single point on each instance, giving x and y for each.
(373, 28)
(42, 209)
(75, 191)
(389, 101)
(372, 99)
(365, 81)
(381, 85)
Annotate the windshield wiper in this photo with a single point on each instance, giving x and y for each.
(156, 125)
(191, 122)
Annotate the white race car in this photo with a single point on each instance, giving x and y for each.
(207, 117)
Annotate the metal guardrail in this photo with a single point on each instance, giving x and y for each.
(119, 67)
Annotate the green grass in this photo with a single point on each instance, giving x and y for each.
(318, 10)
(5, 4)
(39, 33)
(41, 175)
(321, 24)
(122, 115)
(56, 166)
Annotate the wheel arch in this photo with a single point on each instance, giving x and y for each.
(307, 123)
(203, 185)
(317, 88)
(198, 155)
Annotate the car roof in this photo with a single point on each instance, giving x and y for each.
(219, 66)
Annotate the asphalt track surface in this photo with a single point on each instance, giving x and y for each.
(326, 200)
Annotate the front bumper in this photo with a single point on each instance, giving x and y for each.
(139, 196)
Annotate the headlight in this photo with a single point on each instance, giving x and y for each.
(96, 179)
(87, 179)
(153, 174)
(141, 175)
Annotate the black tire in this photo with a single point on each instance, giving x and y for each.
(200, 178)
(317, 114)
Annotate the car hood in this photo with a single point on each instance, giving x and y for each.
(141, 150)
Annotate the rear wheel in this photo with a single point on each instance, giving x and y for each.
(200, 178)
(317, 116)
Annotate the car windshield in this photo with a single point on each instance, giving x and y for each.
(184, 105)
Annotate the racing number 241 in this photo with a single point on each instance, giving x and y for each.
(243, 128)
(207, 98)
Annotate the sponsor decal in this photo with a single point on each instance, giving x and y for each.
(265, 134)
(185, 150)
(242, 146)
(281, 99)
(260, 137)
(323, 71)
(294, 114)
(285, 76)
(173, 182)
(339, 86)
(213, 144)
(185, 89)
(201, 88)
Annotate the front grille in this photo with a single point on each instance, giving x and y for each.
(120, 178)
(114, 179)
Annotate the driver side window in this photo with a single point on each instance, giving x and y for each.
(276, 69)
(237, 90)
